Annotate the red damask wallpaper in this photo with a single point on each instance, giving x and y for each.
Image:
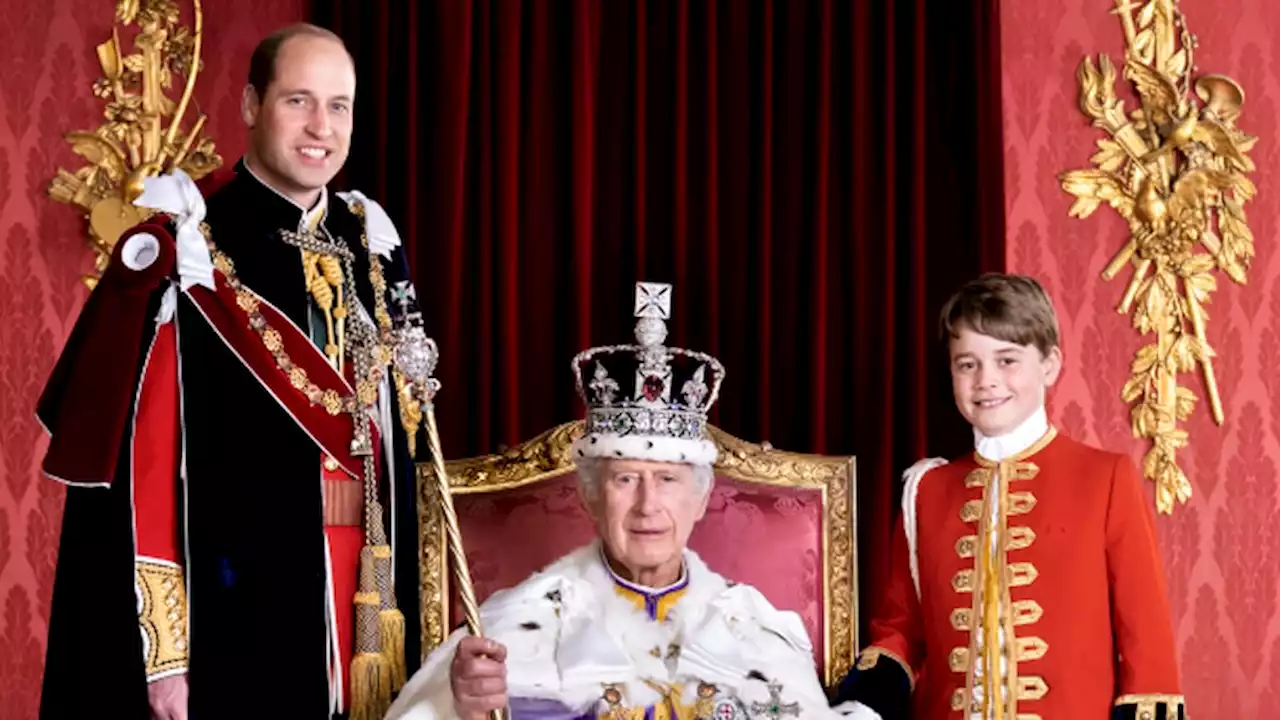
(1222, 550)
(49, 65)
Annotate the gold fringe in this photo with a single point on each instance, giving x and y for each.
(370, 671)
(391, 624)
(370, 687)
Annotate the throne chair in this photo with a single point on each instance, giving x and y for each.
(780, 521)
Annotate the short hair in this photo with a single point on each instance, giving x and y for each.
(262, 64)
(589, 469)
(1012, 308)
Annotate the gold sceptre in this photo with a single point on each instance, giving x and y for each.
(457, 557)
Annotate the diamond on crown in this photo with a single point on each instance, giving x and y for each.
(695, 389)
(605, 387)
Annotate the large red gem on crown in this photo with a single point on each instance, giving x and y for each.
(652, 388)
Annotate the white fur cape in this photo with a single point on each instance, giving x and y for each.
(568, 634)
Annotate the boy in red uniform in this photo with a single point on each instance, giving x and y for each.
(1035, 556)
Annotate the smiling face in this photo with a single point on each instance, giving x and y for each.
(999, 384)
(300, 129)
(644, 512)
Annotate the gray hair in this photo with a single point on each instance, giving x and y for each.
(591, 468)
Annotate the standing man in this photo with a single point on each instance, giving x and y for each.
(235, 414)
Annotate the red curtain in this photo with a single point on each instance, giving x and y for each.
(815, 177)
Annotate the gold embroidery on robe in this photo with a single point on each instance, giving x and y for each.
(163, 616)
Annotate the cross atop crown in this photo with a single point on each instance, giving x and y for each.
(653, 300)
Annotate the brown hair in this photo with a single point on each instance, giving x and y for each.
(262, 64)
(1012, 308)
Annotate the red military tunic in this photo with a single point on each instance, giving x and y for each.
(1080, 613)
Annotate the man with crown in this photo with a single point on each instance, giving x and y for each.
(634, 624)
(235, 415)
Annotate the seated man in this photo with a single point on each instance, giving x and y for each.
(633, 625)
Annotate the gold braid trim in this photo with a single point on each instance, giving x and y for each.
(320, 289)
(163, 616)
(1145, 705)
(331, 270)
(870, 657)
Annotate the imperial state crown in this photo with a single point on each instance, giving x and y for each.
(647, 401)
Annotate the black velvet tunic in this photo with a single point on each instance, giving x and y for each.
(251, 516)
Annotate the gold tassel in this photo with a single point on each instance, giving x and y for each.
(390, 619)
(391, 624)
(370, 687)
(370, 671)
(323, 294)
(331, 269)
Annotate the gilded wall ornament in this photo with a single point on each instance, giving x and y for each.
(1175, 168)
(141, 134)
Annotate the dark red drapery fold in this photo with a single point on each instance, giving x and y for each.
(815, 177)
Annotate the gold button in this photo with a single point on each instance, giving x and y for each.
(330, 464)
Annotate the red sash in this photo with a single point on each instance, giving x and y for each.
(91, 390)
(331, 433)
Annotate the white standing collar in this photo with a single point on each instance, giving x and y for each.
(1015, 441)
(645, 589)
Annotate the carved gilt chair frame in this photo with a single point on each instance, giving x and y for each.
(548, 455)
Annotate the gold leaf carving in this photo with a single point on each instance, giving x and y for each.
(1175, 170)
(1178, 63)
(1146, 15)
(142, 131)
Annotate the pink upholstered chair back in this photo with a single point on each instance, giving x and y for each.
(781, 522)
